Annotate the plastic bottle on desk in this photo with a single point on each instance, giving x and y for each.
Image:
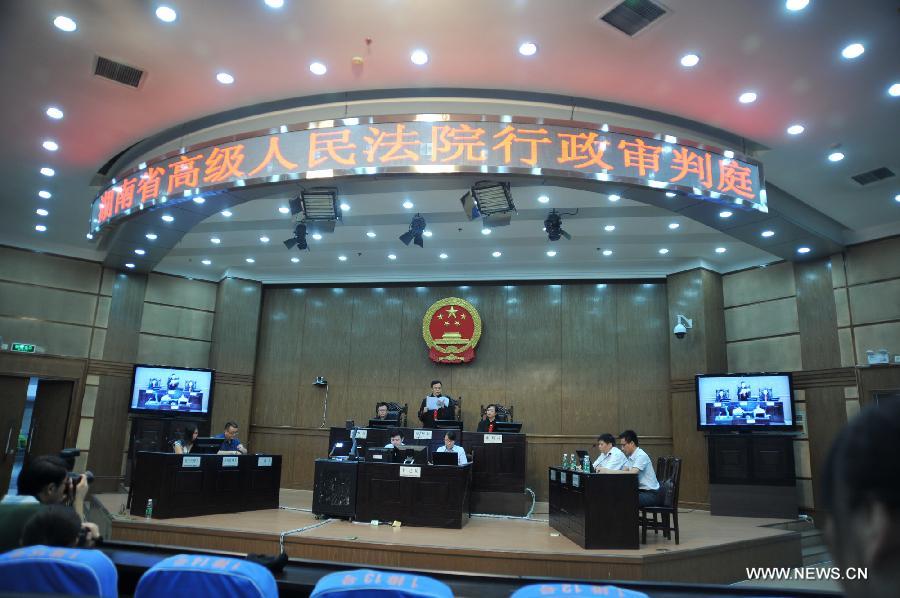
(148, 513)
(587, 464)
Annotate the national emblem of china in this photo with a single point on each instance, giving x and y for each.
(451, 329)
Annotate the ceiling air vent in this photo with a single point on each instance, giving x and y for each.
(118, 72)
(632, 16)
(873, 176)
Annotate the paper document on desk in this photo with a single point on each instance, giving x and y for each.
(433, 403)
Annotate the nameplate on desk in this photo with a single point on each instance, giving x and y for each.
(493, 438)
(229, 461)
(576, 480)
(422, 434)
(562, 477)
(361, 434)
(264, 462)
(190, 461)
(377, 456)
(553, 475)
(410, 472)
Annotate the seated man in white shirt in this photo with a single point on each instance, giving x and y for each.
(396, 439)
(611, 458)
(639, 462)
(451, 447)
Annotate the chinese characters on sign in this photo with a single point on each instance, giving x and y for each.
(474, 145)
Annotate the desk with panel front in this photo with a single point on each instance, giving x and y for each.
(189, 485)
(595, 510)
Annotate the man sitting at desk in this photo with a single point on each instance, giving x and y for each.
(611, 458)
(490, 418)
(381, 410)
(396, 439)
(435, 406)
(451, 447)
(231, 444)
(639, 462)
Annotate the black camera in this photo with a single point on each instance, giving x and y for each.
(68, 455)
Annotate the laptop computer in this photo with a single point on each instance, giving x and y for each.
(445, 458)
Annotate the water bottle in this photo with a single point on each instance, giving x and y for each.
(587, 464)
(565, 462)
(148, 513)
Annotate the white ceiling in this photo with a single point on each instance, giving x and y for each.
(792, 60)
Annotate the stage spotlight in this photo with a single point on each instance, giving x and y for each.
(414, 234)
(553, 226)
(299, 238)
(491, 201)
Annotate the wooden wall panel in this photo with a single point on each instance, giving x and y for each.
(41, 269)
(826, 414)
(236, 326)
(875, 337)
(174, 290)
(876, 302)
(759, 284)
(879, 260)
(41, 303)
(232, 402)
(776, 354)
(170, 350)
(58, 339)
(277, 379)
(125, 313)
(757, 320)
(177, 321)
(819, 345)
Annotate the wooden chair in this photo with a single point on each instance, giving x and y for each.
(504, 414)
(397, 412)
(649, 517)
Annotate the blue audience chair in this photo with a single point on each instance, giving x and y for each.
(62, 571)
(541, 590)
(204, 575)
(383, 584)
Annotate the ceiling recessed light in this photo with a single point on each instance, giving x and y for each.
(168, 218)
(140, 251)
(663, 251)
(673, 225)
(199, 200)
(669, 194)
(427, 233)
(853, 51)
(345, 207)
(803, 249)
(40, 228)
(408, 204)
(264, 239)
(215, 240)
(274, 3)
(721, 249)
(166, 14)
(485, 231)
(226, 213)
(45, 194)
(47, 171)
(250, 260)
(607, 252)
(50, 145)
(726, 214)
(54, 113)
(89, 236)
(206, 262)
(151, 236)
(343, 258)
(295, 260)
(41, 212)
(551, 253)
(224, 78)
(496, 254)
(129, 265)
(836, 156)
(391, 256)
(767, 233)
(443, 256)
(796, 4)
(419, 57)
(371, 234)
(543, 199)
(614, 197)
(528, 49)
(609, 228)
(317, 236)
(894, 90)
(284, 210)
(748, 97)
(65, 24)
(897, 197)
(690, 60)
(317, 68)
(795, 129)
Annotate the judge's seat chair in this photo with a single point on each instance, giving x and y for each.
(396, 412)
(504, 414)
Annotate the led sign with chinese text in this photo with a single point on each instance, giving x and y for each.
(436, 144)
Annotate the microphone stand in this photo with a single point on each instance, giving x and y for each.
(325, 410)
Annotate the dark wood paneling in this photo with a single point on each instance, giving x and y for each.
(873, 379)
(236, 326)
(826, 414)
(817, 315)
(126, 309)
(13, 394)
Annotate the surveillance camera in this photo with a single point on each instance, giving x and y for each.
(679, 330)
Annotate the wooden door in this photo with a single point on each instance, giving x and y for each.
(47, 434)
(13, 394)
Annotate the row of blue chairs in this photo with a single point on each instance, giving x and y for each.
(78, 572)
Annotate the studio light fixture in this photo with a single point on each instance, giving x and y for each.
(317, 208)
(553, 226)
(299, 238)
(414, 234)
(490, 201)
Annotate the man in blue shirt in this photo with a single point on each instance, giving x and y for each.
(231, 445)
(451, 447)
(639, 462)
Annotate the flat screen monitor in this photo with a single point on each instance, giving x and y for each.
(445, 458)
(448, 424)
(206, 446)
(731, 402)
(167, 390)
(414, 453)
(383, 423)
(507, 427)
(380, 455)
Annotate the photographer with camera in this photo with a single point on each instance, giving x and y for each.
(44, 481)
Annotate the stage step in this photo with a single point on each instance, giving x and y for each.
(813, 547)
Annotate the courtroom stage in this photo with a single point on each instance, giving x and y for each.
(712, 549)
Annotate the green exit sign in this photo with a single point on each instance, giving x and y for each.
(22, 348)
